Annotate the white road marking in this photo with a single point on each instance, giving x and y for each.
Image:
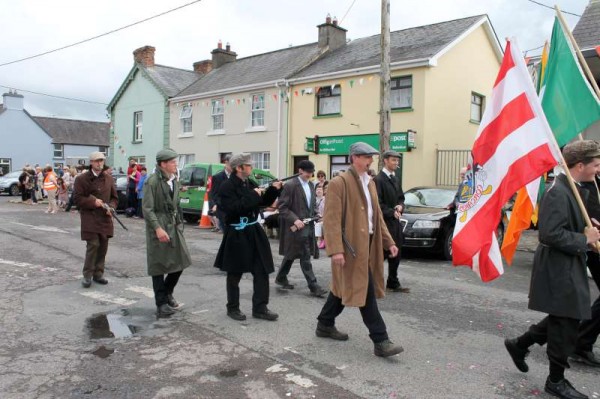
(148, 292)
(42, 228)
(276, 368)
(100, 296)
(299, 380)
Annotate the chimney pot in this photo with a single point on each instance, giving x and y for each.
(335, 21)
(220, 44)
(328, 19)
(227, 47)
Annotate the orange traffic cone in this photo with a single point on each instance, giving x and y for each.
(205, 222)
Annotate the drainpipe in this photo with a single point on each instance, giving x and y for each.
(278, 129)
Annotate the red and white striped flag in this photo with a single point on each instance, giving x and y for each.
(514, 146)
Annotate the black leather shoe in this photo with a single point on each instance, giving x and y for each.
(284, 284)
(100, 280)
(563, 389)
(330, 332)
(86, 282)
(398, 289)
(587, 358)
(173, 303)
(318, 291)
(265, 315)
(165, 310)
(517, 354)
(236, 315)
(387, 348)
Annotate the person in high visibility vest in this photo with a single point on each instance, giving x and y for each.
(51, 188)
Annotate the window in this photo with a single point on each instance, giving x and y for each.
(4, 165)
(258, 110)
(58, 151)
(217, 114)
(401, 92)
(138, 119)
(140, 160)
(261, 160)
(184, 159)
(223, 155)
(329, 100)
(339, 163)
(103, 150)
(477, 101)
(195, 176)
(186, 119)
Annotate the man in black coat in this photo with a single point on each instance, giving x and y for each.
(559, 285)
(213, 194)
(391, 201)
(297, 240)
(245, 247)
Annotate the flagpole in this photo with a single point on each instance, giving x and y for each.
(582, 60)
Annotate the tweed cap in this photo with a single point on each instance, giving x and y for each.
(390, 154)
(165, 154)
(360, 148)
(580, 151)
(240, 159)
(306, 166)
(97, 155)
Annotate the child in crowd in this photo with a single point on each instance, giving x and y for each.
(63, 193)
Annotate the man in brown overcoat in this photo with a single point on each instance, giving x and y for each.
(356, 236)
(92, 190)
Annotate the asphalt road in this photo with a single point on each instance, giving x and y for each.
(56, 336)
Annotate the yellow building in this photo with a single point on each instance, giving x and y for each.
(441, 75)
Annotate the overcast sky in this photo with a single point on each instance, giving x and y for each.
(95, 70)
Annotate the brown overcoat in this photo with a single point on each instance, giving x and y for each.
(87, 188)
(350, 281)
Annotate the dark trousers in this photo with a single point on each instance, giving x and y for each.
(32, 195)
(260, 297)
(370, 313)
(139, 208)
(589, 330)
(70, 204)
(560, 335)
(393, 264)
(132, 198)
(95, 255)
(164, 286)
(305, 265)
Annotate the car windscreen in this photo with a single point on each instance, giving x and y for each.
(193, 176)
(429, 197)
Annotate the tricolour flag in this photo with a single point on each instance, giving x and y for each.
(514, 146)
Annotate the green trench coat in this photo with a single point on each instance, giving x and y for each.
(160, 210)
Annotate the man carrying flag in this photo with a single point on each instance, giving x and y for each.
(559, 285)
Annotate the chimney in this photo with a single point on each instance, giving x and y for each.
(331, 36)
(145, 56)
(203, 67)
(222, 57)
(12, 100)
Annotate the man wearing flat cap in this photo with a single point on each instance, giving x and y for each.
(245, 247)
(297, 202)
(391, 201)
(92, 190)
(559, 285)
(166, 249)
(356, 237)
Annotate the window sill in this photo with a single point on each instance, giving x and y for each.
(136, 141)
(255, 129)
(218, 132)
(394, 110)
(327, 116)
(474, 122)
(185, 135)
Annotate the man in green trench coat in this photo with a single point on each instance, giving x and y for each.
(166, 249)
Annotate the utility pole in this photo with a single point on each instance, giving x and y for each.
(384, 79)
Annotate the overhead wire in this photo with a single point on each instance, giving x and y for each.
(52, 95)
(347, 11)
(552, 8)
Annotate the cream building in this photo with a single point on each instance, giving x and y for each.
(441, 77)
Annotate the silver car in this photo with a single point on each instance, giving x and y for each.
(9, 183)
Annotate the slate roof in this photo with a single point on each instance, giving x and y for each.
(255, 69)
(72, 131)
(171, 80)
(587, 30)
(405, 45)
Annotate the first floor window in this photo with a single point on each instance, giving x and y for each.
(140, 160)
(138, 120)
(329, 100)
(258, 110)
(261, 160)
(103, 150)
(184, 159)
(58, 150)
(401, 92)
(217, 114)
(4, 165)
(186, 119)
(476, 107)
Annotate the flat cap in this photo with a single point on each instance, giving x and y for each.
(97, 155)
(240, 159)
(165, 154)
(580, 151)
(390, 153)
(361, 148)
(306, 165)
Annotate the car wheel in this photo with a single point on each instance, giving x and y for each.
(447, 245)
(14, 190)
(191, 218)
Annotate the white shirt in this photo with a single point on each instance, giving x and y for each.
(365, 179)
(170, 181)
(306, 188)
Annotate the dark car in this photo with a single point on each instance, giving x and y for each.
(429, 224)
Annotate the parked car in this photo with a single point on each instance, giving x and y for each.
(121, 186)
(429, 224)
(9, 183)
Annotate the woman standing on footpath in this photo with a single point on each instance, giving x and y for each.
(51, 187)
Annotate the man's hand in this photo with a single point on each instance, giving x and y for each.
(99, 203)
(214, 208)
(277, 184)
(397, 214)
(338, 260)
(162, 235)
(393, 251)
(299, 224)
(259, 191)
